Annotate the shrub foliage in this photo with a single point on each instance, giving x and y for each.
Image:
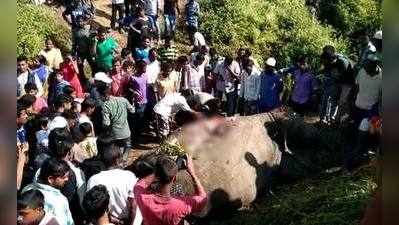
(279, 28)
(35, 24)
(347, 16)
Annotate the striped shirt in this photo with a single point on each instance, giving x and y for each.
(168, 53)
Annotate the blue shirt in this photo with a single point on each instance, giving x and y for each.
(192, 12)
(42, 72)
(303, 86)
(270, 87)
(142, 54)
(21, 135)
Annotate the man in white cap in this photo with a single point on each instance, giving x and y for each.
(271, 86)
(114, 113)
(378, 45)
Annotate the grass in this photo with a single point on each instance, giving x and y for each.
(328, 199)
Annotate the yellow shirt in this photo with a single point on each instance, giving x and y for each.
(53, 57)
(165, 86)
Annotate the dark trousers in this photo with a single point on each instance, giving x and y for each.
(232, 98)
(123, 144)
(250, 107)
(82, 76)
(301, 109)
(191, 31)
(129, 7)
(117, 8)
(139, 118)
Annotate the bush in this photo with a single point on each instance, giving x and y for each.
(35, 24)
(347, 16)
(279, 28)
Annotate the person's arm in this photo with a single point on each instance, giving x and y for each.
(67, 16)
(177, 8)
(21, 160)
(129, 106)
(199, 189)
(106, 117)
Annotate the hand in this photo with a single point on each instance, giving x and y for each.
(190, 165)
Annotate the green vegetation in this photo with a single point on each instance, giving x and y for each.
(326, 200)
(279, 28)
(35, 24)
(347, 16)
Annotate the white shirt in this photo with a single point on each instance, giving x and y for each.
(151, 7)
(23, 79)
(206, 58)
(370, 89)
(194, 77)
(120, 184)
(171, 104)
(47, 218)
(224, 81)
(199, 39)
(153, 70)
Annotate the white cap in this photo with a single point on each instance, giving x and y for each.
(57, 122)
(101, 76)
(378, 35)
(271, 62)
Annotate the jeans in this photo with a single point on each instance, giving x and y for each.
(329, 108)
(232, 98)
(170, 25)
(139, 118)
(155, 25)
(117, 8)
(250, 107)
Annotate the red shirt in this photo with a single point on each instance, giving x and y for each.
(159, 210)
(71, 75)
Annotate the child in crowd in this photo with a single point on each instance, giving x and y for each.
(40, 103)
(42, 135)
(89, 142)
(142, 52)
(69, 70)
(120, 76)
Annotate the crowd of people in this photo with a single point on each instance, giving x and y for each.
(78, 114)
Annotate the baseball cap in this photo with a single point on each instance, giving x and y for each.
(271, 62)
(103, 77)
(378, 35)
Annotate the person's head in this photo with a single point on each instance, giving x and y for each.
(126, 54)
(362, 37)
(22, 116)
(371, 65)
(249, 66)
(141, 67)
(213, 52)
(43, 122)
(117, 64)
(96, 202)
(140, 12)
(54, 172)
(69, 91)
(168, 41)
(86, 129)
(302, 63)
(128, 67)
(71, 117)
(240, 53)
(111, 155)
(152, 55)
(102, 33)
(63, 102)
(199, 59)
(203, 50)
(58, 76)
(60, 143)
(181, 62)
(184, 117)
(30, 207)
(76, 107)
(27, 101)
(103, 83)
(49, 44)
(22, 64)
(88, 106)
(165, 170)
(31, 88)
(166, 68)
(228, 60)
(328, 56)
(40, 60)
(270, 64)
(146, 42)
(248, 53)
(80, 21)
